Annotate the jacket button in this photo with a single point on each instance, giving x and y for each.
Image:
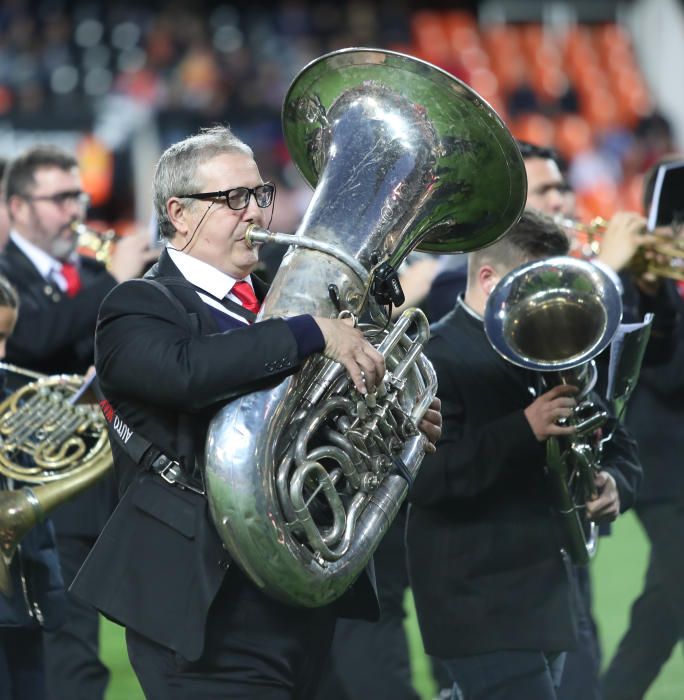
(224, 564)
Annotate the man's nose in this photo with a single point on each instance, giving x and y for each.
(253, 211)
(74, 210)
(554, 201)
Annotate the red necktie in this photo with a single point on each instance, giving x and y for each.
(680, 288)
(72, 279)
(244, 292)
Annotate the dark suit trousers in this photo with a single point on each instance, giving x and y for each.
(657, 618)
(505, 675)
(22, 676)
(255, 648)
(72, 664)
(581, 670)
(371, 659)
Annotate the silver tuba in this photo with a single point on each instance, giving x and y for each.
(554, 316)
(303, 479)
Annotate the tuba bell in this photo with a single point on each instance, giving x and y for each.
(554, 316)
(303, 479)
(46, 437)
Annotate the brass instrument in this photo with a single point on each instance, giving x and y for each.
(46, 438)
(96, 244)
(664, 258)
(554, 316)
(304, 478)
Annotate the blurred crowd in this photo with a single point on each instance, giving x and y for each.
(78, 65)
(572, 95)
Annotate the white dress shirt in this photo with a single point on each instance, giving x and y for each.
(216, 283)
(50, 268)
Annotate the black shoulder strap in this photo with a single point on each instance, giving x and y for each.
(164, 289)
(137, 447)
(228, 304)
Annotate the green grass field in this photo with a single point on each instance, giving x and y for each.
(617, 572)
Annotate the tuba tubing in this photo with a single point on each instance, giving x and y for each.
(277, 562)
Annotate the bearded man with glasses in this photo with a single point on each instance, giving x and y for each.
(170, 350)
(59, 295)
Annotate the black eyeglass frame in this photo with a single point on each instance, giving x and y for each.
(60, 198)
(225, 194)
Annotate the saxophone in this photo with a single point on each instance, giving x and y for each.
(303, 479)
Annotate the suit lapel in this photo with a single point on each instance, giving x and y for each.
(166, 272)
(25, 270)
(260, 288)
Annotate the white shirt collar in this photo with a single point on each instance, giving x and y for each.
(204, 275)
(215, 283)
(42, 261)
(460, 300)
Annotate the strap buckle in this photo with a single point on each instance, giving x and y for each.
(171, 471)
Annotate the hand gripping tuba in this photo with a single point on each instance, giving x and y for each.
(48, 438)
(554, 316)
(303, 479)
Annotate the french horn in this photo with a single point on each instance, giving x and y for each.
(46, 437)
(303, 479)
(554, 317)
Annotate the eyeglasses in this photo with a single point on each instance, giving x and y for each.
(238, 197)
(61, 198)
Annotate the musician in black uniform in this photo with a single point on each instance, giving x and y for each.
(169, 351)
(60, 293)
(491, 585)
(655, 418)
(33, 599)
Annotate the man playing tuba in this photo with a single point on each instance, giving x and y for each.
(169, 350)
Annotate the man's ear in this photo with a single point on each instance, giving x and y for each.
(177, 215)
(488, 277)
(16, 208)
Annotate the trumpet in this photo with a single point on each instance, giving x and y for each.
(96, 244)
(663, 258)
(586, 239)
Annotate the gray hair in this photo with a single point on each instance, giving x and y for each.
(176, 170)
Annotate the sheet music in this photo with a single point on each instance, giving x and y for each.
(626, 353)
(656, 204)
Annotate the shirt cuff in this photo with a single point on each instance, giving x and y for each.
(307, 334)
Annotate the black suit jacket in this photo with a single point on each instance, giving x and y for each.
(159, 563)
(655, 414)
(55, 335)
(484, 551)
